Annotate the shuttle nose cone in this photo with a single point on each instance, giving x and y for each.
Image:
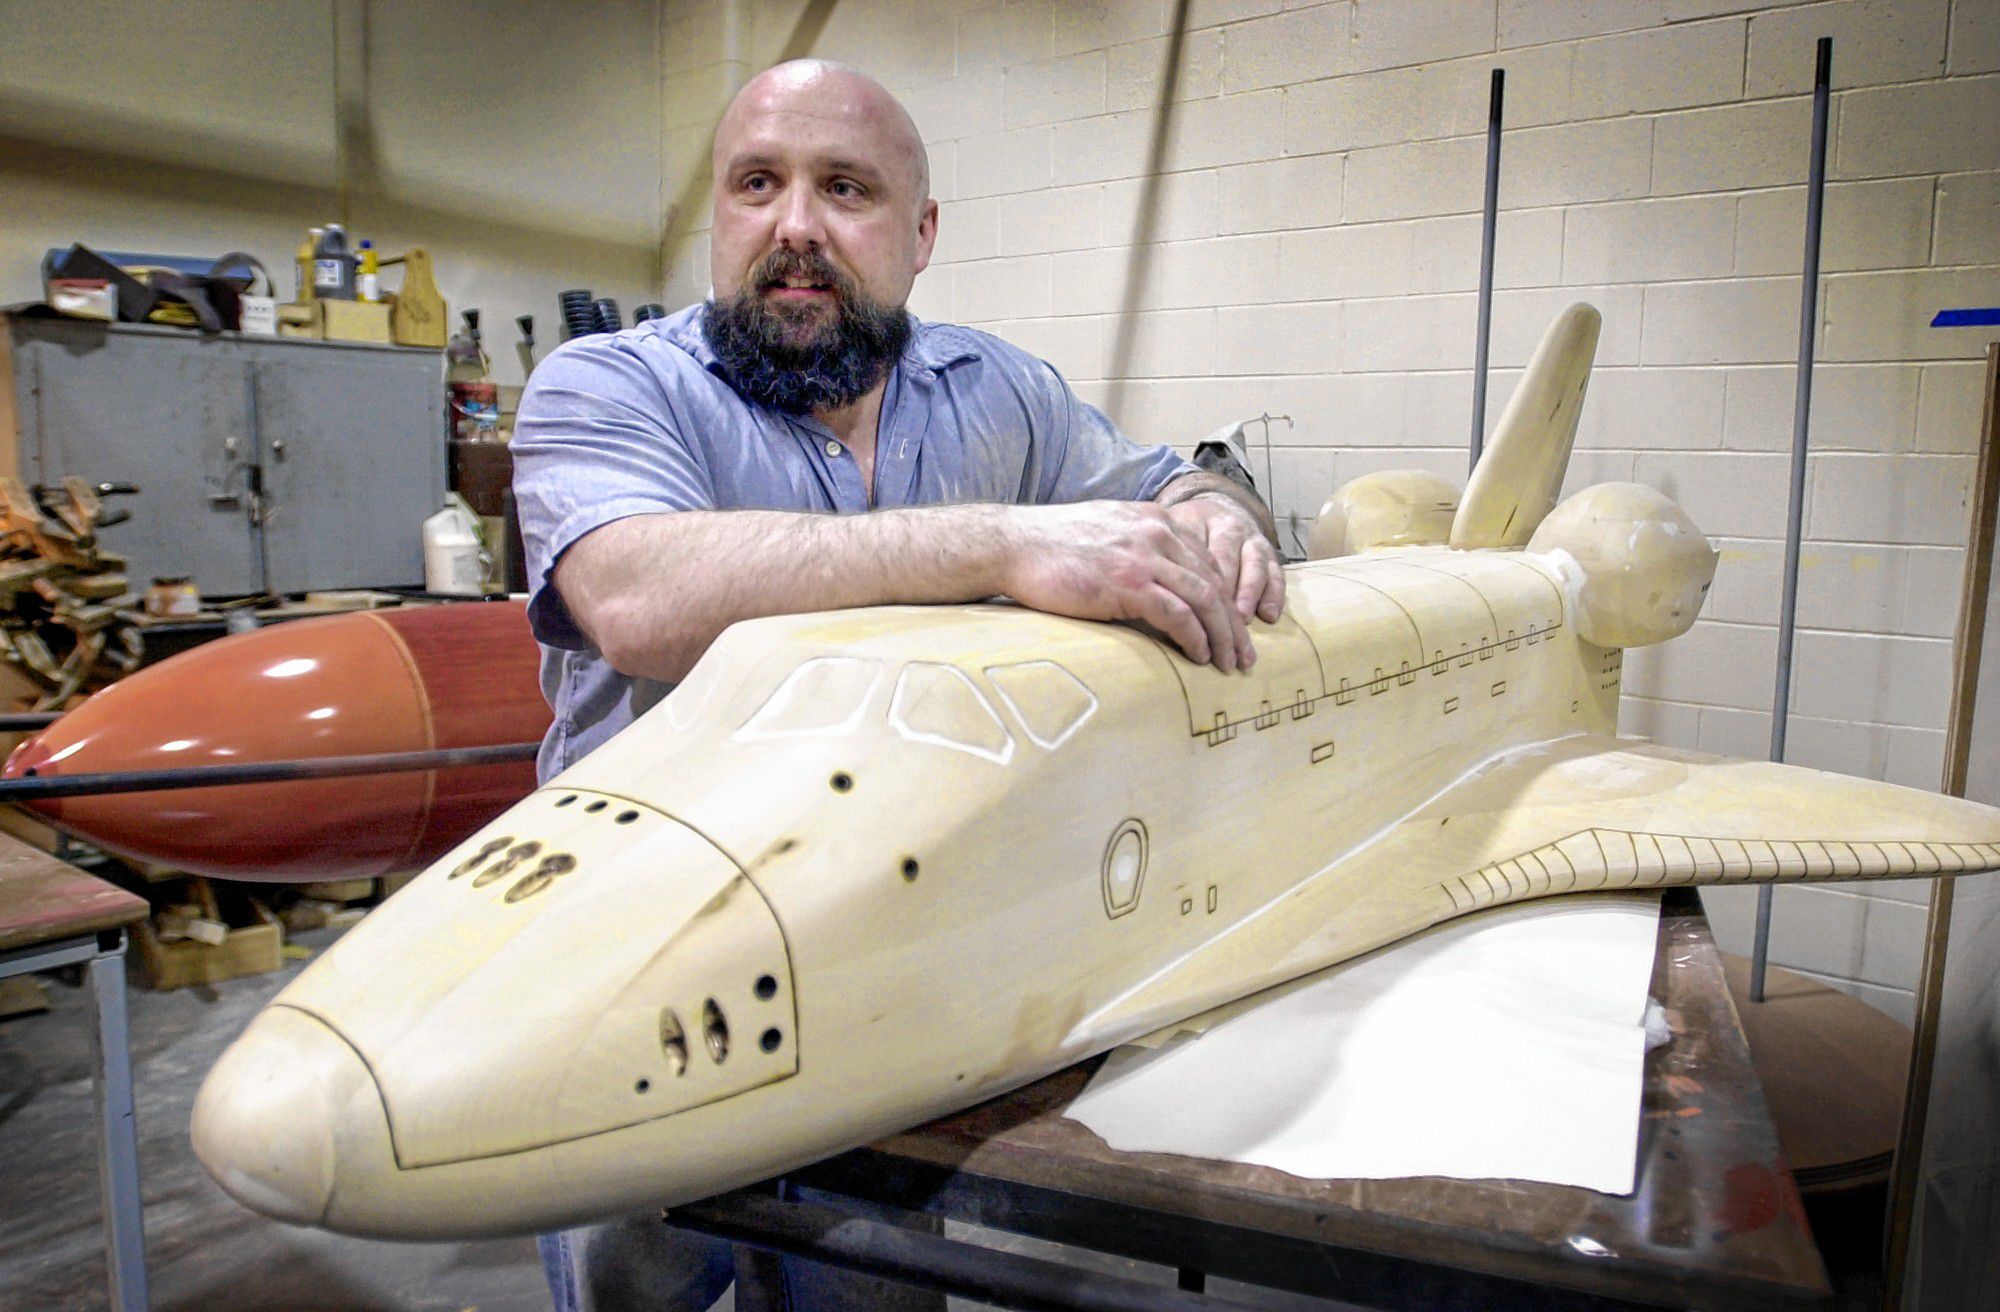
(268, 1117)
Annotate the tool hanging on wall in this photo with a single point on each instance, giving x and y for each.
(475, 401)
(526, 346)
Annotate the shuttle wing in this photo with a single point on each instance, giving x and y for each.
(1571, 815)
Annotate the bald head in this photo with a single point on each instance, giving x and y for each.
(815, 161)
(829, 96)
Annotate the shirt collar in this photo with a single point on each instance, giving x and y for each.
(939, 346)
(933, 346)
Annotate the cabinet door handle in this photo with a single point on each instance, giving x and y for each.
(225, 500)
(278, 448)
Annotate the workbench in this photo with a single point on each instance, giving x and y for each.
(1715, 1221)
(54, 915)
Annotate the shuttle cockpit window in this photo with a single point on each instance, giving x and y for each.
(1049, 701)
(824, 698)
(940, 705)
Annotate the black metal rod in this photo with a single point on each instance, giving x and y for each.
(1794, 520)
(32, 788)
(1488, 226)
(28, 720)
(931, 1261)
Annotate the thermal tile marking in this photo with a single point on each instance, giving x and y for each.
(1620, 858)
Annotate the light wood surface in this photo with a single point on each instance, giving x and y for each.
(1521, 473)
(864, 868)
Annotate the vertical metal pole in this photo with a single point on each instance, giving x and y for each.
(117, 1136)
(1801, 412)
(1490, 221)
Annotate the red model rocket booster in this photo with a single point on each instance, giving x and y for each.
(411, 679)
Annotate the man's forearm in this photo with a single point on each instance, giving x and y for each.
(1201, 483)
(653, 591)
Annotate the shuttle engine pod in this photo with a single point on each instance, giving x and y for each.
(1395, 508)
(865, 868)
(1635, 569)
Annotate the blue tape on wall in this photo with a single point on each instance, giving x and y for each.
(1986, 318)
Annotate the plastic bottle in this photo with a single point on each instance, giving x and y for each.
(333, 265)
(305, 262)
(454, 563)
(368, 279)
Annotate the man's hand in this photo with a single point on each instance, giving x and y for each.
(1119, 560)
(1244, 558)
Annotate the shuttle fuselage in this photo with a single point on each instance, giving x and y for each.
(862, 868)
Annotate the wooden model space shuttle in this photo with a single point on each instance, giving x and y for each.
(865, 868)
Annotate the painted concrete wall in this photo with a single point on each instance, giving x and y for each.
(521, 149)
(1274, 209)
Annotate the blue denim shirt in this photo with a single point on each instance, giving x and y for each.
(642, 422)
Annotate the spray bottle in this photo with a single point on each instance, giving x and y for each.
(368, 280)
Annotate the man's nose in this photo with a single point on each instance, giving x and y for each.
(799, 220)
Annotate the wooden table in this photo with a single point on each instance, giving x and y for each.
(1834, 1072)
(1715, 1221)
(51, 915)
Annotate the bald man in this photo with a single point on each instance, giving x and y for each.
(799, 442)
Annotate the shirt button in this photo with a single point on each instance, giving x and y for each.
(832, 447)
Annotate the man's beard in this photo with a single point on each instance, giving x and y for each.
(796, 358)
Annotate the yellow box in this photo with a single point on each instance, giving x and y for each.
(356, 321)
(251, 949)
(301, 319)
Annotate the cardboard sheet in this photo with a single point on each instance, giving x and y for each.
(1506, 1045)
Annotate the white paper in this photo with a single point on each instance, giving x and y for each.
(1505, 1045)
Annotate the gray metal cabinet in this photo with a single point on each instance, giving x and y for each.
(266, 464)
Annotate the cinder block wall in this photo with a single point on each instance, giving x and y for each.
(1275, 209)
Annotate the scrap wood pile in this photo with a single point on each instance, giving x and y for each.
(61, 593)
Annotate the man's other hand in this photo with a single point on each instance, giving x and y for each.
(1222, 527)
(1120, 560)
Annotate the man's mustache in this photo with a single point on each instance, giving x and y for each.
(783, 265)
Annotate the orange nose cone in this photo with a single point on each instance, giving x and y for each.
(446, 676)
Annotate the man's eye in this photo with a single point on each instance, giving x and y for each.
(845, 190)
(757, 182)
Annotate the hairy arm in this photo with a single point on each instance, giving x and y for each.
(651, 592)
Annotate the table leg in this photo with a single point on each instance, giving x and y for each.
(118, 1140)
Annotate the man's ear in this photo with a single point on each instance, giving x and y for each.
(927, 225)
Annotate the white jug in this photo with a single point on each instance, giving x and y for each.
(454, 560)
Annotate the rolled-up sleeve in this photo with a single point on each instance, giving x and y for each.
(595, 440)
(1083, 456)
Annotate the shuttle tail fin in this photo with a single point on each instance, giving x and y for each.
(1521, 472)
